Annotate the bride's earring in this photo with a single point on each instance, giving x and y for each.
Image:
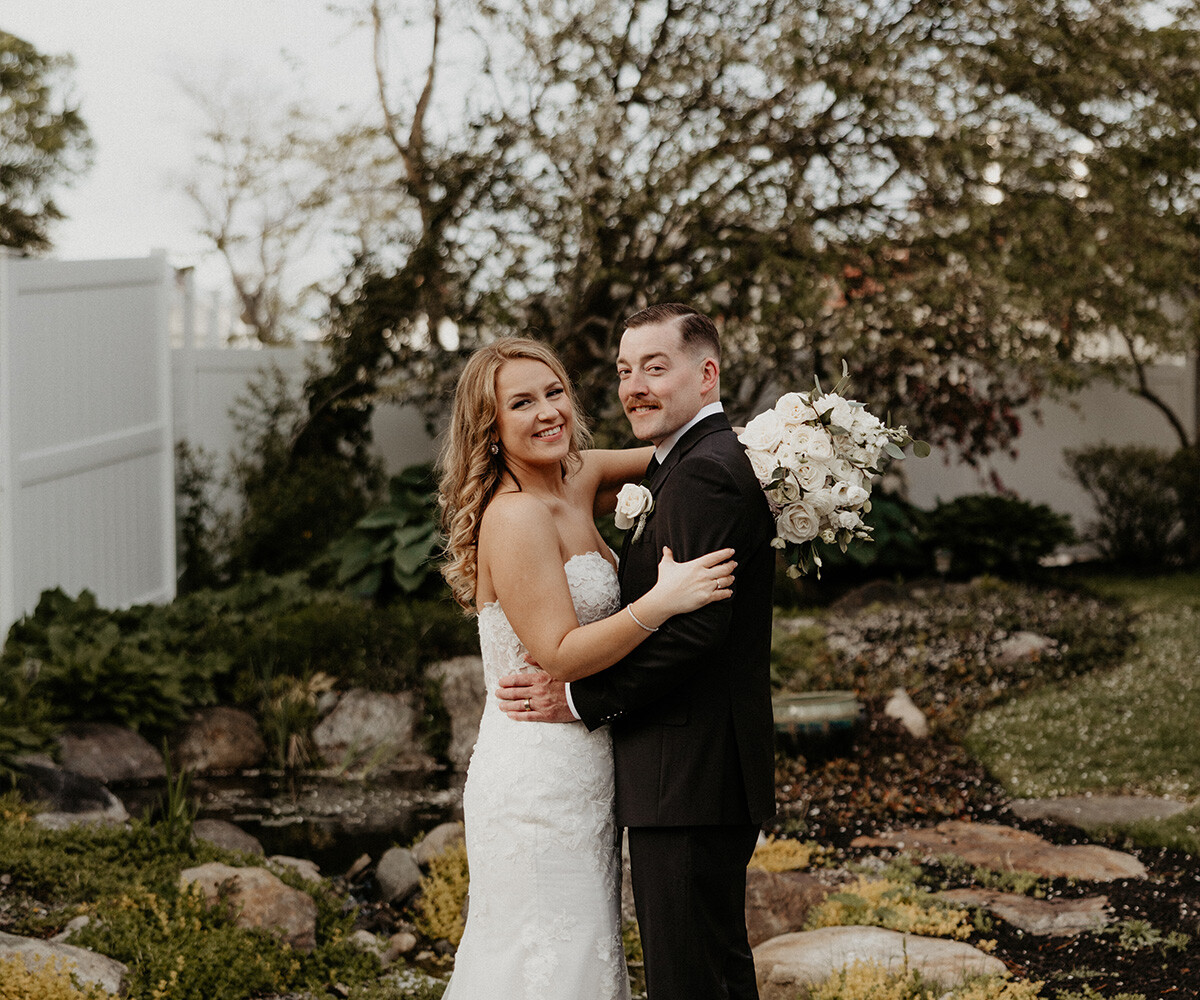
(494, 449)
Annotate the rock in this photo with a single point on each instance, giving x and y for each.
(226, 836)
(399, 944)
(1022, 646)
(1002, 848)
(310, 871)
(370, 729)
(437, 840)
(793, 962)
(1098, 810)
(258, 899)
(779, 902)
(368, 942)
(1041, 917)
(398, 875)
(73, 925)
(219, 740)
(464, 695)
(109, 753)
(87, 966)
(68, 798)
(901, 707)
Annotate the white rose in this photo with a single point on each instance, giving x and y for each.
(821, 501)
(764, 464)
(798, 523)
(848, 495)
(843, 471)
(811, 476)
(785, 493)
(846, 519)
(810, 442)
(763, 433)
(793, 408)
(632, 502)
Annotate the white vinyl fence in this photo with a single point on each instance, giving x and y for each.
(86, 438)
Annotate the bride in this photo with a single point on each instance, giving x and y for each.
(518, 496)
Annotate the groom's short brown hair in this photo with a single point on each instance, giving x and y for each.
(695, 329)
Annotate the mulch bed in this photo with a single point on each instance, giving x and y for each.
(883, 779)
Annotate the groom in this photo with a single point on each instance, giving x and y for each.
(690, 709)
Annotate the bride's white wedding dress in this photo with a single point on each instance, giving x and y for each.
(544, 917)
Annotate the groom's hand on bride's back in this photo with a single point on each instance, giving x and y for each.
(533, 697)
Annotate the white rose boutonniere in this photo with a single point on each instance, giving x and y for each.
(634, 504)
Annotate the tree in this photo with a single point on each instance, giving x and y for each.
(43, 142)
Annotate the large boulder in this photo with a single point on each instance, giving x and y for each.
(463, 695)
(88, 967)
(109, 753)
(220, 740)
(67, 798)
(790, 965)
(258, 899)
(369, 730)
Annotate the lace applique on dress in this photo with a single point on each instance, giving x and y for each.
(544, 918)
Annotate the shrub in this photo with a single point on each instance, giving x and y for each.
(444, 895)
(1184, 476)
(1002, 536)
(46, 981)
(899, 906)
(782, 855)
(870, 981)
(392, 549)
(1137, 514)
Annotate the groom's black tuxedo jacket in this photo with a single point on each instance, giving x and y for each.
(690, 708)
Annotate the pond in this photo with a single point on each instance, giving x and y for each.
(331, 820)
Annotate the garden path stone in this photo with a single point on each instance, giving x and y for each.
(109, 753)
(787, 964)
(371, 730)
(1042, 917)
(88, 967)
(1003, 848)
(1098, 810)
(779, 902)
(258, 899)
(463, 695)
(227, 836)
(1022, 646)
(220, 740)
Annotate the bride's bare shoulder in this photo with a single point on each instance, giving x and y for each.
(515, 516)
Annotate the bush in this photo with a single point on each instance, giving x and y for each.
(1001, 536)
(444, 895)
(47, 981)
(1183, 472)
(1137, 513)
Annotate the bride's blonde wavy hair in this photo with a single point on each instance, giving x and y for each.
(470, 473)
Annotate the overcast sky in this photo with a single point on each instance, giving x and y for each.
(128, 54)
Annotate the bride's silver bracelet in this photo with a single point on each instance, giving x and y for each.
(629, 608)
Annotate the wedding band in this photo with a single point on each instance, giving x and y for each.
(528, 707)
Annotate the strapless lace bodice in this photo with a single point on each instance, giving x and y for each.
(594, 591)
(544, 919)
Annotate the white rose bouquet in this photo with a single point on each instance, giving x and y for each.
(815, 454)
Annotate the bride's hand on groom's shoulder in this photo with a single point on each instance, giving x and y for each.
(533, 697)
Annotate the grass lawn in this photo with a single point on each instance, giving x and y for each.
(1131, 728)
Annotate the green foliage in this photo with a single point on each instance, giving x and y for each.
(1183, 471)
(195, 518)
(176, 947)
(1003, 536)
(43, 141)
(1134, 935)
(1137, 513)
(897, 905)
(96, 665)
(407, 984)
(26, 724)
(899, 546)
(303, 475)
(1088, 993)
(392, 549)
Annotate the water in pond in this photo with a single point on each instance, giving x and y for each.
(329, 820)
